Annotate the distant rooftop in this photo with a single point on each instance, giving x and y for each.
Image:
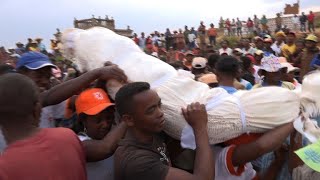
(101, 22)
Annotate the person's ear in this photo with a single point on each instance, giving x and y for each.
(128, 119)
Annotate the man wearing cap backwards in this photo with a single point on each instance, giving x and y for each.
(288, 49)
(308, 54)
(143, 154)
(199, 65)
(33, 152)
(276, 46)
(271, 73)
(96, 117)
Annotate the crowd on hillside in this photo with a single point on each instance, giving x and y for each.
(59, 123)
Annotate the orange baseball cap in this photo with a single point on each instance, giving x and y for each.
(92, 101)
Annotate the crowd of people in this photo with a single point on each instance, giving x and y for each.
(58, 123)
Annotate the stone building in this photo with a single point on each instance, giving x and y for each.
(102, 22)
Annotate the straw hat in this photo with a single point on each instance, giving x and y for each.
(312, 37)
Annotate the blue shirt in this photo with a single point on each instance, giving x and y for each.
(229, 89)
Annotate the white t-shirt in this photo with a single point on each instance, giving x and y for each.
(277, 49)
(100, 170)
(191, 37)
(224, 169)
(295, 20)
(228, 51)
(257, 78)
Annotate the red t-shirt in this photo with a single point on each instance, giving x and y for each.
(311, 17)
(53, 153)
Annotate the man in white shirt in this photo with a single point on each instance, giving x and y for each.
(192, 40)
(277, 46)
(295, 20)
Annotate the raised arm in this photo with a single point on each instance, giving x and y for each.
(266, 143)
(97, 150)
(65, 90)
(196, 116)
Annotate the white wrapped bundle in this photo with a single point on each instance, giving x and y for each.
(229, 115)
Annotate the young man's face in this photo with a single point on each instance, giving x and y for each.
(280, 38)
(291, 38)
(310, 44)
(300, 46)
(189, 58)
(98, 126)
(224, 45)
(41, 77)
(147, 114)
(259, 45)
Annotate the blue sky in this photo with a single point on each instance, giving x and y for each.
(21, 19)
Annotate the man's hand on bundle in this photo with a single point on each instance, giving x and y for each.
(112, 72)
(196, 115)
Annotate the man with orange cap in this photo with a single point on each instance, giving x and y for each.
(96, 115)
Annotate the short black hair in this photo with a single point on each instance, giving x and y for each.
(19, 94)
(228, 65)
(213, 59)
(5, 68)
(124, 96)
(246, 63)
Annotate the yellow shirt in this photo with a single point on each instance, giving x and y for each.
(291, 49)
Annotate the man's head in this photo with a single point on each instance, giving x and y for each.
(271, 69)
(224, 44)
(245, 42)
(181, 56)
(201, 22)
(288, 72)
(189, 56)
(227, 68)
(140, 108)
(311, 12)
(267, 42)
(291, 37)
(302, 13)
(142, 34)
(237, 52)
(19, 44)
(212, 25)
(280, 36)
(29, 40)
(258, 55)
(199, 65)
(39, 40)
(186, 27)
(311, 41)
(36, 66)
(96, 112)
(19, 102)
